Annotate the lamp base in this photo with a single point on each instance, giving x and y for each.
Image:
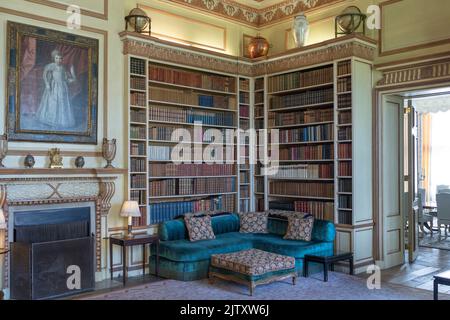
(130, 229)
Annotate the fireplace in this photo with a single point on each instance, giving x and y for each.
(52, 250)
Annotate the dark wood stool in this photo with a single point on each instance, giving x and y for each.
(327, 262)
(441, 278)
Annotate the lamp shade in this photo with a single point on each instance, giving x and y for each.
(130, 209)
(2, 220)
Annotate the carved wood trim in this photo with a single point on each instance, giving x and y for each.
(101, 199)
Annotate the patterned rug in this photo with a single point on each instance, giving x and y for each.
(339, 287)
(429, 241)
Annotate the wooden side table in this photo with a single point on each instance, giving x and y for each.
(124, 242)
(441, 278)
(327, 262)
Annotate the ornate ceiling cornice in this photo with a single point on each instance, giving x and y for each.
(153, 48)
(252, 16)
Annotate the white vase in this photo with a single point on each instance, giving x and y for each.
(300, 30)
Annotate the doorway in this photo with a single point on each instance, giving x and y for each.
(414, 157)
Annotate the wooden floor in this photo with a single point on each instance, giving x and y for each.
(420, 273)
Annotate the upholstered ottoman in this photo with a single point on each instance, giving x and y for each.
(252, 267)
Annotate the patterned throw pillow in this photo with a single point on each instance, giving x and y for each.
(199, 228)
(254, 222)
(300, 228)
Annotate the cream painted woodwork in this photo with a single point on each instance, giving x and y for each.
(391, 182)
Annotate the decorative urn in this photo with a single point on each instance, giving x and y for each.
(79, 162)
(258, 47)
(300, 30)
(29, 161)
(109, 151)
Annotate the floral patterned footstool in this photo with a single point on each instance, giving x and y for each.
(252, 267)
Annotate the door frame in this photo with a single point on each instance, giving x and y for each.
(378, 97)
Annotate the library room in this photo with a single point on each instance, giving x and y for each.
(244, 150)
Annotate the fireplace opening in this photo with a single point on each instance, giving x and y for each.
(52, 252)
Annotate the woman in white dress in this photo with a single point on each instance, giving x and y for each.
(55, 109)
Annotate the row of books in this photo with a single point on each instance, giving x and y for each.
(259, 84)
(344, 68)
(319, 209)
(300, 117)
(191, 170)
(245, 191)
(191, 186)
(345, 201)
(189, 135)
(139, 116)
(259, 97)
(345, 217)
(138, 181)
(345, 150)
(138, 99)
(345, 185)
(304, 171)
(244, 205)
(344, 101)
(259, 184)
(302, 99)
(138, 132)
(313, 133)
(259, 205)
(244, 84)
(137, 66)
(244, 111)
(345, 133)
(139, 196)
(164, 211)
(305, 189)
(300, 79)
(138, 165)
(137, 149)
(161, 153)
(345, 117)
(137, 83)
(259, 111)
(344, 85)
(244, 97)
(192, 98)
(345, 169)
(192, 79)
(318, 152)
(244, 177)
(190, 116)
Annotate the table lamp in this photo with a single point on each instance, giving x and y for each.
(130, 209)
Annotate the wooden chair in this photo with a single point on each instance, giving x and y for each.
(422, 216)
(443, 211)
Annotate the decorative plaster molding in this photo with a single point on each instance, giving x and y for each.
(435, 70)
(341, 48)
(59, 190)
(253, 16)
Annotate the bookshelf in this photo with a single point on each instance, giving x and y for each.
(245, 123)
(178, 121)
(353, 161)
(259, 110)
(301, 108)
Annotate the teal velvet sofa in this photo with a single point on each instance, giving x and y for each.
(183, 260)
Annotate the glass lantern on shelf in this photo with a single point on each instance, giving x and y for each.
(139, 21)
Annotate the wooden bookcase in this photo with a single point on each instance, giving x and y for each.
(301, 108)
(259, 110)
(172, 110)
(245, 124)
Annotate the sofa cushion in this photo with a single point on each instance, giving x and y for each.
(199, 228)
(184, 250)
(253, 222)
(299, 228)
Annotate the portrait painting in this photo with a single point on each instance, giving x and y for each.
(52, 86)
